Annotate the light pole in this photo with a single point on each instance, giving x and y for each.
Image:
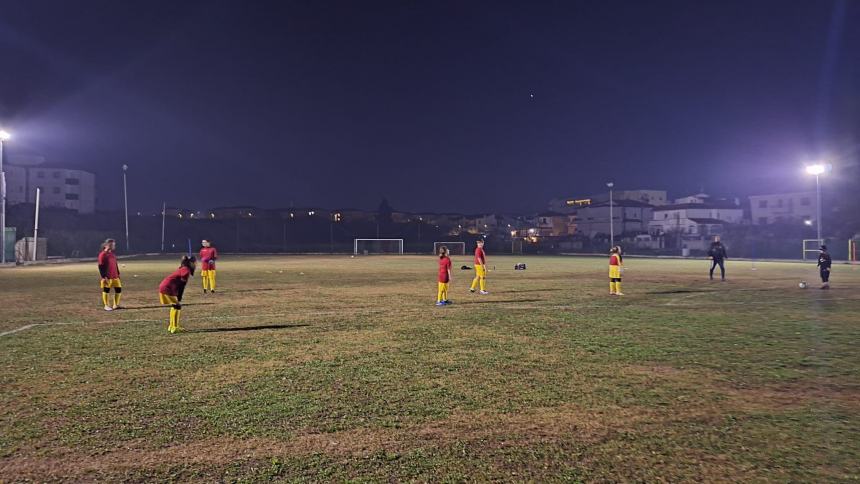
(4, 136)
(817, 170)
(611, 217)
(125, 203)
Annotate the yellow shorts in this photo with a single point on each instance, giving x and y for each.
(615, 272)
(110, 283)
(206, 273)
(167, 299)
(480, 271)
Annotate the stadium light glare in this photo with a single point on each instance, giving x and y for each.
(5, 135)
(807, 222)
(817, 169)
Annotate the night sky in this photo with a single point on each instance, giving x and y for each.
(438, 106)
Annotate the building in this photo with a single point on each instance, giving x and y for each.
(570, 204)
(796, 207)
(61, 187)
(692, 225)
(629, 218)
(551, 224)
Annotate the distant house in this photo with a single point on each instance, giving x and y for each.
(61, 187)
(629, 217)
(571, 204)
(783, 208)
(693, 224)
(551, 224)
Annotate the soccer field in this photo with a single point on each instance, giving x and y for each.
(335, 368)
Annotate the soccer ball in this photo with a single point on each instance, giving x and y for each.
(803, 285)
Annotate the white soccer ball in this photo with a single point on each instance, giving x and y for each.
(803, 285)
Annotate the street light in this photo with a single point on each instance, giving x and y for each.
(611, 217)
(4, 136)
(817, 170)
(125, 204)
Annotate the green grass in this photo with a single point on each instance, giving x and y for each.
(334, 368)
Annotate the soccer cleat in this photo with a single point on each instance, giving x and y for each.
(108, 308)
(619, 293)
(205, 291)
(440, 303)
(447, 302)
(483, 293)
(472, 290)
(116, 306)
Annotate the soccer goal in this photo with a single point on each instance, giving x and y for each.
(454, 248)
(811, 246)
(377, 246)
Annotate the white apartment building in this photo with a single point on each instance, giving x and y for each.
(61, 187)
(783, 207)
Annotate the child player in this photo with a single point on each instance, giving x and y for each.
(824, 264)
(615, 262)
(109, 272)
(208, 254)
(444, 277)
(171, 288)
(480, 269)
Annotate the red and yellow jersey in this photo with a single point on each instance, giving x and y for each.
(615, 260)
(480, 257)
(108, 268)
(444, 269)
(174, 284)
(207, 257)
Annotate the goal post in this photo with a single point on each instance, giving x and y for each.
(454, 248)
(811, 245)
(377, 246)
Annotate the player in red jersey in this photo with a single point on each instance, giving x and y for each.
(444, 277)
(615, 262)
(109, 275)
(480, 269)
(208, 254)
(172, 287)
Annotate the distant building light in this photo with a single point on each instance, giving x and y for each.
(808, 222)
(180, 215)
(250, 214)
(292, 215)
(579, 202)
(311, 213)
(191, 215)
(531, 231)
(211, 215)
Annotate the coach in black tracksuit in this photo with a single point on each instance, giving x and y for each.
(824, 263)
(718, 255)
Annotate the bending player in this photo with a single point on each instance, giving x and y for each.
(109, 272)
(444, 277)
(615, 261)
(171, 289)
(480, 269)
(208, 254)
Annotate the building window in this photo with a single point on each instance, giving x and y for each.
(779, 203)
(805, 201)
(72, 181)
(762, 220)
(71, 196)
(56, 190)
(762, 204)
(56, 174)
(40, 174)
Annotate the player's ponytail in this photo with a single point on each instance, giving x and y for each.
(190, 262)
(107, 242)
(443, 251)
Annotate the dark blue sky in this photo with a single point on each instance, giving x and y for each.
(429, 103)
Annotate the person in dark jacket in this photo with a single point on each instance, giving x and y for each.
(824, 263)
(718, 255)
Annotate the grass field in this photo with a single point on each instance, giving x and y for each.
(333, 368)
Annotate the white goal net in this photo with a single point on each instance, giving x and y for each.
(454, 248)
(378, 246)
